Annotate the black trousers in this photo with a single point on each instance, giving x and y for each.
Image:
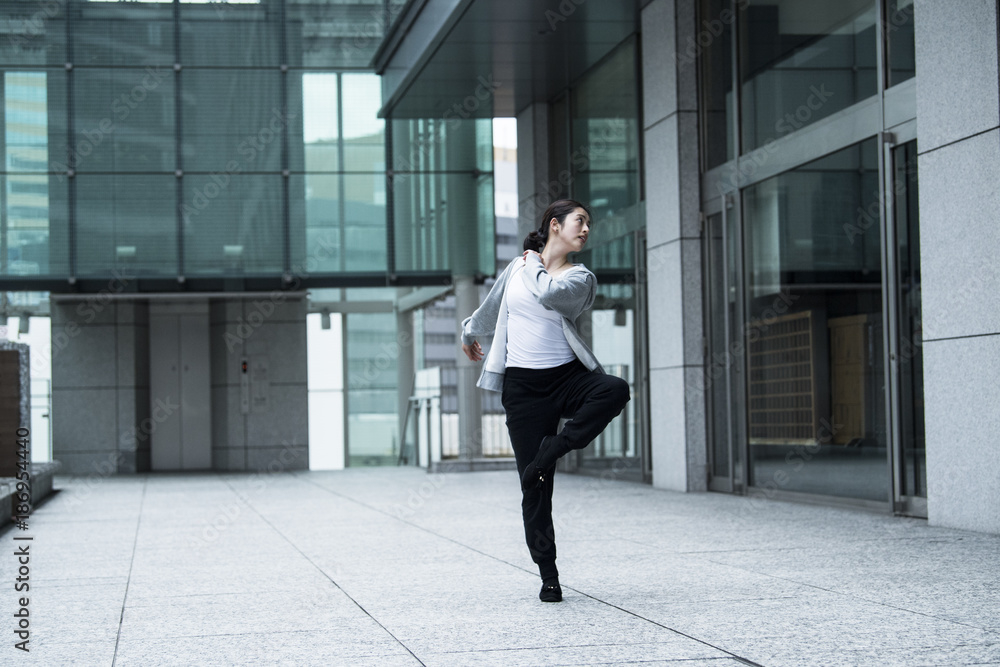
(535, 400)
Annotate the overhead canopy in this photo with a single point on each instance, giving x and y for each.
(493, 58)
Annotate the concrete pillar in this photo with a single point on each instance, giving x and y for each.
(100, 386)
(959, 167)
(673, 258)
(470, 412)
(532, 167)
(405, 365)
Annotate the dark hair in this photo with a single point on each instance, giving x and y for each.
(559, 210)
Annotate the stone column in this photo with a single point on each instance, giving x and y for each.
(673, 257)
(958, 142)
(470, 412)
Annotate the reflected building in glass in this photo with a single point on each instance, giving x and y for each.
(793, 231)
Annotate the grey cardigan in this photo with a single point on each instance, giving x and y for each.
(569, 294)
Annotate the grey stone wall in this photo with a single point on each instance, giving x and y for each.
(958, 141)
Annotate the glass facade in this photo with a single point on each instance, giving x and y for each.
(195, 139)
(604, 157)
(442, 192)
(813, 379)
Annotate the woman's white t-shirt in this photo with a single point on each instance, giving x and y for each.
(535, 337)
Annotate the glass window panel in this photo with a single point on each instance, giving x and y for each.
(434, 205)
(125, 120)
(315, 212)
(715, 60)
(34, 33)
(604, 157)
(232, 34)
(899, 39)
(802, 60)
(26, 121)
(364, 131)
(35, 214)
(126, 220)
(243, 213)
(372, 389)
(124, 34)
(320, 123)
(233, 120)
(816, 402)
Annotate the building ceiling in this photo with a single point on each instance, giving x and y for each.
(528, 50)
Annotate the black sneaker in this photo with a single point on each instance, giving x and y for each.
(550, 593)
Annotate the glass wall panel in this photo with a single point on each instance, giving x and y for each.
(372, 422)
(816, 385)
(442, 189)
(802, 60)
(713, 46)
(34, 33)
(323, 34)
(605, 141)
(33, 203)
(233, 120)
(364, 131)
(124, 120)
(899, 41)
(125, 220)
(124, 34)
(233, 226)
(611, 324)
(233, 34)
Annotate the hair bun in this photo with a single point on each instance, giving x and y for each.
(534, 241)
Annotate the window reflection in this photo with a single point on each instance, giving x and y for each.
(803, 60)
(816, 384)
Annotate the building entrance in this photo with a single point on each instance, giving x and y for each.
(813, 368)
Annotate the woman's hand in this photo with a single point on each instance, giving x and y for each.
(526, 252)
(474, 352)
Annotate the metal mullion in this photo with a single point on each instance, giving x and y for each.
(178, 147)
(890, 310)
(341, 184)
(70, 142)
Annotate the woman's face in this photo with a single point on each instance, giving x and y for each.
(574, 230)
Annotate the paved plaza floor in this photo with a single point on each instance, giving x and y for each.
(393, 567)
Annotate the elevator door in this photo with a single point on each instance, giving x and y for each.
(179, 391)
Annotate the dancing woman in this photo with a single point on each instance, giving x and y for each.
(543, 368)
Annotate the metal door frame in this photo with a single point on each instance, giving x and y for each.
(728, 207)
(901, 504)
